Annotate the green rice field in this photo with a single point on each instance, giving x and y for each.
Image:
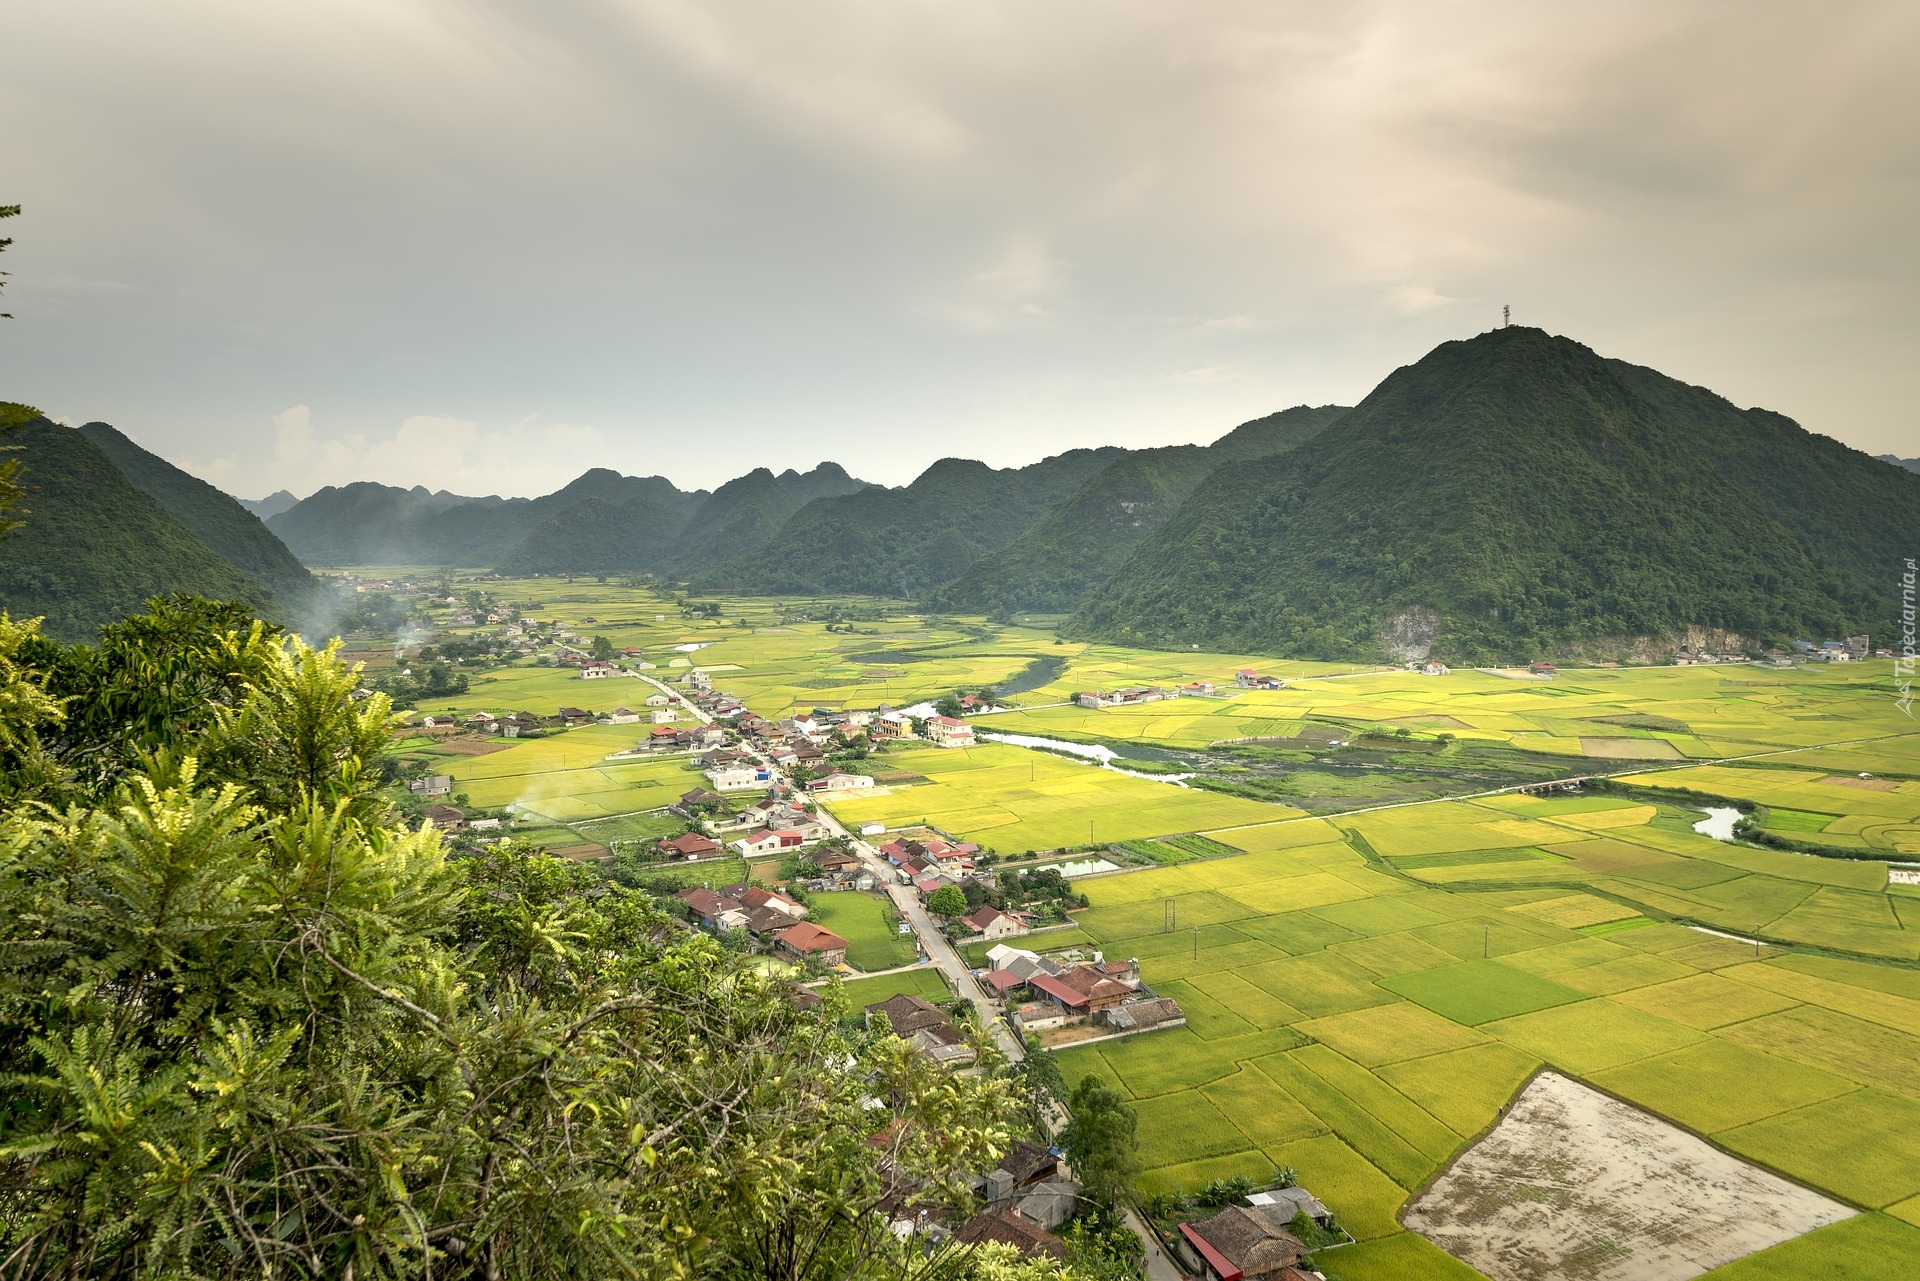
(1367, 988)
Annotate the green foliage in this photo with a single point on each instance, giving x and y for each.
(250, 1026)
(6, 211)
(98, 546)
(1101, 1140)
(903, 542)
(746, 514)
(948, 900)
(1080, 543)
(209, 515)
(1536, 497)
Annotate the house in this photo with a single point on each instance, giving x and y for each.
(432, 785)
(1247, 678)
(484, 722)
(661, 738)
(1199, 689)
(621, 716)
(659, 700)
(700, 796)
(597, 669)
(1146, 1016)
(808, 942)
(873, 829)
(756, 897)
(518, 723)
(992, 923)
(906, 1014)
(944, 731)
(1431, 668)
(664, 716)
(1542, 669)
(1129, 696)
(769, 842)
(1009, 1227)
(1294, 1201)
(690, 846)
(716, 911)
(945, 1046)
(739, 778)
(437, 722)
(446, 817)
(1244, 1243)
(1087, 989)
(838, 780)
(576, 716)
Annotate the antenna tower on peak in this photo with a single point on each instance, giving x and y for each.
(1506, 315)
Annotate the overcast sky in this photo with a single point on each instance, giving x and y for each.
(485, 245)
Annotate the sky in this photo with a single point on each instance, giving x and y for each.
(483, 246)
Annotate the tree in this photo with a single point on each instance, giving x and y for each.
(250, 1023)
(602, 649)
(948, 900)
(12, 493)
(948, 706)
(6, 211)
(1100, 1141)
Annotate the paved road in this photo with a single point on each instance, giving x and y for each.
(950, 963)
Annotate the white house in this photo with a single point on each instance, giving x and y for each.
(739, 778)
(597, 670)
(622, 716)
(658, 700)
(665, 716)
(992, 923)
(834, 780)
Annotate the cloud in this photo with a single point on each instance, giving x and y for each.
(437, 451)
(886, 232)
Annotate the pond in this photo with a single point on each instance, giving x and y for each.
(1718, 823)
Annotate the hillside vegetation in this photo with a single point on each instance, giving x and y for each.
(221, 522)
(903, 542)
(1513, 496)
(1079, 544)
(95, 545)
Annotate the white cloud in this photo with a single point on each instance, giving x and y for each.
(525, 458)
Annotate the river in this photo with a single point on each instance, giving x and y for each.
(1718, 823)
(1104, 757)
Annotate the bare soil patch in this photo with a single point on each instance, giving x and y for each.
(474, 746)
(1630, 749)
(1574, 1185)
(1864, 784)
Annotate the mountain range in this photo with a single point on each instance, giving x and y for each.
(1508, 496)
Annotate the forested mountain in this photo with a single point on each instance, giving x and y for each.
(903, 542)
(95, 545)
(595, 536)
(1076, 547)
(1515, 495)
(216, 519)
(272, 505)
(1911, 464)
(365, 523)
(745, 515)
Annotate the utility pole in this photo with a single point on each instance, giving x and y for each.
(1196, 941)
(1486, 944)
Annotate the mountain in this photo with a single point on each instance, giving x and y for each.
(272, 505)
(215, 518)
(1514, 496)
(1911, 464)
(365, 523)
(744, 515)
(1077, 545)
(595, 536)
(904, 542)
(95, 545)
(362, 523)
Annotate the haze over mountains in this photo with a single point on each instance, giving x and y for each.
(1509, 496)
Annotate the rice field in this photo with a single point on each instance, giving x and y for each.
(1367, 990)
